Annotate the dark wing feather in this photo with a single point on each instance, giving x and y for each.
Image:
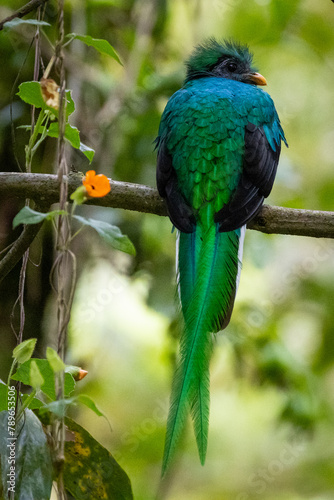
(256, 181)
(179, 211)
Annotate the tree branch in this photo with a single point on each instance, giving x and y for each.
(23, 11)
(44, 188)
(19, 247)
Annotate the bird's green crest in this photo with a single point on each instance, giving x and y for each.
(207, 55)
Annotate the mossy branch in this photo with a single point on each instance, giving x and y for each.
(44, 190)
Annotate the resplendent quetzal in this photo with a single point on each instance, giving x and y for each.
(218, 147)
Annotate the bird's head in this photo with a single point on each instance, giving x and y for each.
(228, 60)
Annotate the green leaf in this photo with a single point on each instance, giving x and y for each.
(70, 105)
(33, 465)
(87, 151)
(30, 92)
(16, 22)
(23, 375)
(90, 468)
(35, 376)
(110, 234)
(72, 135)
(56, 363)
(29, 216)
(101, 45)
(58, 407)
(24, 351)
(3, 396)
(79, 196)
(34, 404)
(87, 401)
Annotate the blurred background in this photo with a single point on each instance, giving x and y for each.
(272, 373)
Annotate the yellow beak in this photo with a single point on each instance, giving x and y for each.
(257, 78)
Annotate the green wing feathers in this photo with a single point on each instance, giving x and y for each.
(208, 270)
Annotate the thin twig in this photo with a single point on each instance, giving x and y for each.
(23, 11)
(22, 281)
(12, 94)
(36, 65)
(18, 248)
(24, 264)
(65, 271)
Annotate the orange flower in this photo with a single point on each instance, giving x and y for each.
(96, 185)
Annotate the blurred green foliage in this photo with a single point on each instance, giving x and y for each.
(272, 418)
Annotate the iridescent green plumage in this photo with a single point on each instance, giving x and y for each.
(218, 149)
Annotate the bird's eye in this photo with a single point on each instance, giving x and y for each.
(231, 66)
